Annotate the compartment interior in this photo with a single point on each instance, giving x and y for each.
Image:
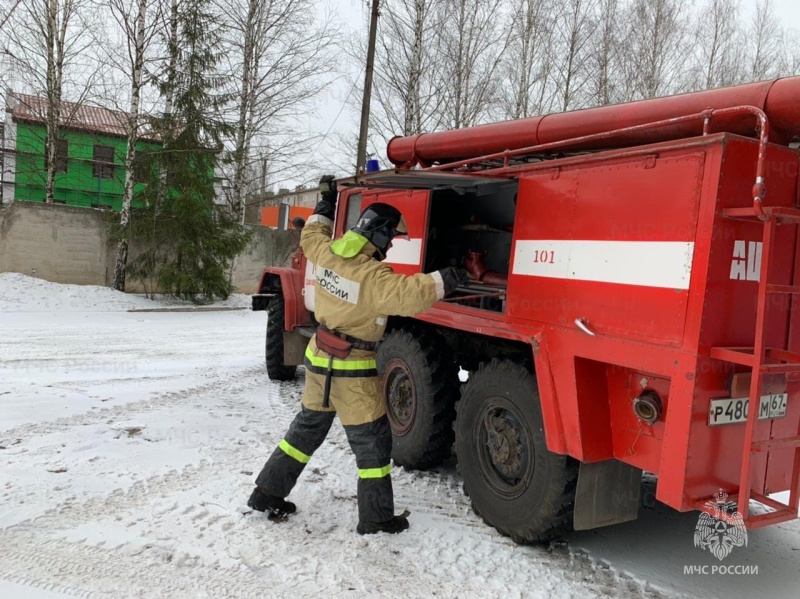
(480, 221)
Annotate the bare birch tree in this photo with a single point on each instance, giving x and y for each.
(573, 31)
(765, 36)
(607, 46)
(7, 8)
(527, 64)
(131, 17)
(409, 82)
(657, 47)
(279, 60)
(48, 46)
(250, 27)
(791, 41)
(168, 82)
(718, 45)
(6, 11)
(473, 45)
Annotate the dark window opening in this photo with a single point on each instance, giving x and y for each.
(61, 155)
(103, 167)
(142, 166)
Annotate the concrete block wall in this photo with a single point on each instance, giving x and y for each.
(268, 246)
(66, 244)
(62, 244)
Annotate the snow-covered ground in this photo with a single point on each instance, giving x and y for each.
(128, 447)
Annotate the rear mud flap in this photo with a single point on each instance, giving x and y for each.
(607, 493)
(294, 348)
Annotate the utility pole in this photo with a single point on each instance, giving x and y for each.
(361, 156)
(262, 192)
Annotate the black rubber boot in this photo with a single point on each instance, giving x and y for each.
(277, 507)
(394, 525)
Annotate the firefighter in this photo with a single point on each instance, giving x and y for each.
(356, 292)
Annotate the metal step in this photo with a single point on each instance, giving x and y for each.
(783, 215)
(787, 361)
(780, 368)
(784, 355)
(784, 289)
(769, 518)
(770, 444)
(736, 355)
(781, 512)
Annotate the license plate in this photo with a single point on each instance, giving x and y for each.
(732, 410)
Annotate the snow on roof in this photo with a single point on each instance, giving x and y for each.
(33, 109)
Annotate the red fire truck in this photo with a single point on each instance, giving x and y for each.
(631, 308)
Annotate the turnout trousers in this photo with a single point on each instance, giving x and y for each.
(357, 399)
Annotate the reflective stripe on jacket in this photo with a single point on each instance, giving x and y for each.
(317, 361)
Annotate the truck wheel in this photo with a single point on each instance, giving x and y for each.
(276, 369)
(420, 381)
(515, 484)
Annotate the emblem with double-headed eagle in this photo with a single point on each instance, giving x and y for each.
(719, 530)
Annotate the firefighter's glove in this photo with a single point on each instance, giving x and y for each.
(453, 278)
(327, 185)
(327, 205)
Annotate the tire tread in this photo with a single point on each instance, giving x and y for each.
(441, 381)
(554, 518)
(276, 369)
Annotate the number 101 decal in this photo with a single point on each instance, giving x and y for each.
(544, 256)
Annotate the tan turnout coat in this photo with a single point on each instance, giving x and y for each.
(356, 296)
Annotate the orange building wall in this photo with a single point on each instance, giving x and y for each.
(269, 214)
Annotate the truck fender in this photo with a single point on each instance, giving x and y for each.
(287, 282)
(268, 287)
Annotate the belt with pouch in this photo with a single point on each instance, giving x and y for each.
(338, 345)
(355, 342)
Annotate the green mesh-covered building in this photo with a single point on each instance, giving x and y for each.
(90, 155)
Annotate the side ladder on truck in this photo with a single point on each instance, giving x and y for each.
(765, 361)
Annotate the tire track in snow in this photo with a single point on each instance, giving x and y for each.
(44, 585)
(455, 513)
(84, 569)
(438, 495)
(277, 407)
(35, 562)
(154, 402)
(38, 558)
